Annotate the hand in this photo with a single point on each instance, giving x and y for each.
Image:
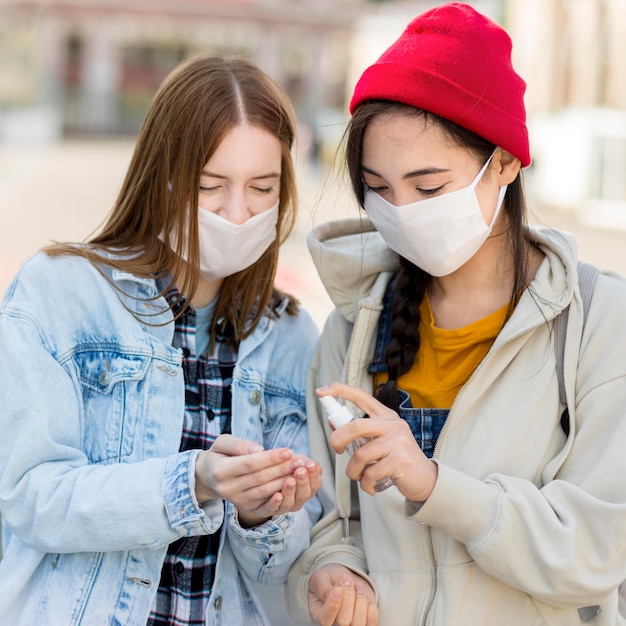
(301, 486)
(260, 483)
(339, 596)
(297, 489)
(391, 452)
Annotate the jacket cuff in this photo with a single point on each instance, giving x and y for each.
(455, 491)
(184, 512)
(271, 534)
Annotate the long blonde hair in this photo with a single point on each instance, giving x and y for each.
(193, 110)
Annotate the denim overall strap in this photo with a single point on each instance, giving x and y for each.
(383, 336)
(425, 423)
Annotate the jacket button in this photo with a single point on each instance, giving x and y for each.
(105, 378)
(218, 602)
(255, 396)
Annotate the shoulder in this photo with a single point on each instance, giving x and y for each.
(43, 278)
(604, 332)
(609, 295)
(294, 336)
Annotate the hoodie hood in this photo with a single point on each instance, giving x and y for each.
(355, 263)
(350, 255)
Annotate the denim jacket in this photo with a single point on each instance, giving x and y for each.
(92, 485)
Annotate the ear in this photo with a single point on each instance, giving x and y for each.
(505, 166)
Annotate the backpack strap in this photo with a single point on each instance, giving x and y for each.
(587, 275)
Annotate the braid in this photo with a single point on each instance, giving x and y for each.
(404, 344)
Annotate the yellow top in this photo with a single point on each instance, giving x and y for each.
(446, 358)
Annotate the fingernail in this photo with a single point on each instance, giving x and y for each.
(359, 588)
(297, 464)
(336, 593)
(255, 447)
(285, 454)
(323, 388)
(346, 582)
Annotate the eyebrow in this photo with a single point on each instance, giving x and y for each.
(414, 174)
(262, 177)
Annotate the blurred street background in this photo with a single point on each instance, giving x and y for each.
(77, 76)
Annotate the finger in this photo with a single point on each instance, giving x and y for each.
(288, 493)
(361, 606)
(302, 491)
(260, 467)
(372, 614)
(270, 507)
(323, 609)
(365, 401)
(257, 495)
(346, 610)
(233, 446)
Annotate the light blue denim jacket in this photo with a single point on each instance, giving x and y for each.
(92, 485)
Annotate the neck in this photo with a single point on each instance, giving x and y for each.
(205, 292)
(483, 285)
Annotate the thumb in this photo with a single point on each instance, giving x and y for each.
(234, 446)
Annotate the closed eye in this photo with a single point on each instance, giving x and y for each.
(375, 188)
(430, 192)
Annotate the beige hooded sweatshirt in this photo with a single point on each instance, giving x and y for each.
(525, 526)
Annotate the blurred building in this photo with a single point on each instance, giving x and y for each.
(92, 66)
(71, 67)
(572, 54)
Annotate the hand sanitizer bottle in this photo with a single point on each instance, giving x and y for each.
(339, 415)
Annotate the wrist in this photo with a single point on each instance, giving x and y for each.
(202, 491)
(249, 520)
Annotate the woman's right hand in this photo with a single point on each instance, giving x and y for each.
(338, 596)
(260, 483)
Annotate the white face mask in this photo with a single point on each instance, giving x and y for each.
(439, 234)
(227, 248)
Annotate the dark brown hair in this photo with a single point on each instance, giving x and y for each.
(193, 110)
(411, 281)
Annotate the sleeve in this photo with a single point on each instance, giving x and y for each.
(336, 538)
(266, 552)
(52, 498)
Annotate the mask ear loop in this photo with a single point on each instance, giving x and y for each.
(501, 193)
(482, 171)
(498, 205)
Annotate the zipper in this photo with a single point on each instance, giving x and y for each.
(347, 538)
(433, 574)
(351, 344)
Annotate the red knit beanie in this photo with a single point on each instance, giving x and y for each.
(456, 63)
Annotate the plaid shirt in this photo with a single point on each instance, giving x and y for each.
(189, 567)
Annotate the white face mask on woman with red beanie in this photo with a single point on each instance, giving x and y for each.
(438, 234)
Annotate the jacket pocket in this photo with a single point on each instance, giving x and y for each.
(284, 423)
(112, 385)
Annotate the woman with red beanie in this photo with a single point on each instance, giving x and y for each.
(508, 503)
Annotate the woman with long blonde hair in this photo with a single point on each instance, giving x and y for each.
(153, 452)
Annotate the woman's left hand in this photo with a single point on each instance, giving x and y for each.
(392, 450)
(260, 483)
(297, 489)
